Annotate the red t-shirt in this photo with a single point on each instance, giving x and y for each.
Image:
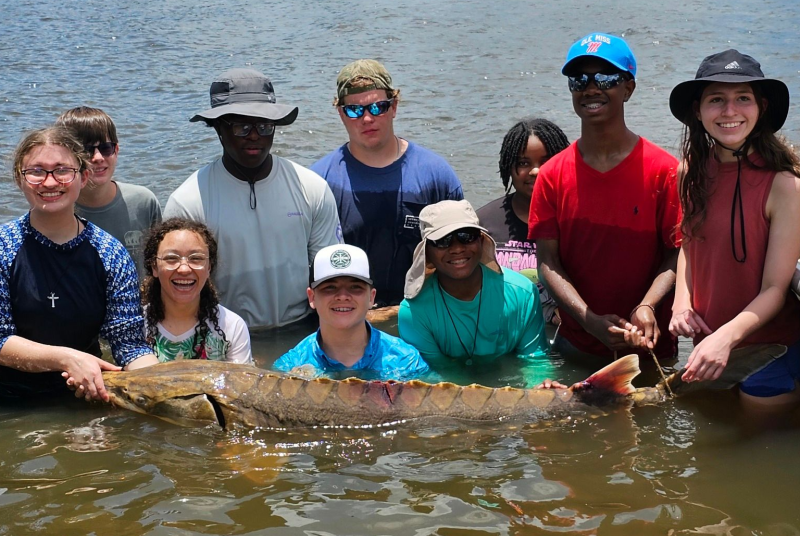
(721, 286)
(613, 230)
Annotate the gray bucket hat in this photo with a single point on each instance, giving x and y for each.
(246, 92)
(437, 221)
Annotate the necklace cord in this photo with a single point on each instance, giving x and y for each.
(470, 355)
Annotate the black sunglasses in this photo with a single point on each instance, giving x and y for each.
(106, 148)
(242, 130)
(468, 235)
(354, 111)
(602, 81)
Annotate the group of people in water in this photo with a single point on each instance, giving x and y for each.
(609, 239)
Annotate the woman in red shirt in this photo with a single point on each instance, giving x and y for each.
(740, 195)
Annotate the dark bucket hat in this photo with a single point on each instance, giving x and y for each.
(732, 67)
(246, 92)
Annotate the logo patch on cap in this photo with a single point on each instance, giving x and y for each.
(593, 46)
(733, 65)
(340, 259)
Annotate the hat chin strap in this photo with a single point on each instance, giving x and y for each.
(738, 153)
(737, 199)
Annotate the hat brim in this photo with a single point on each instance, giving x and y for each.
(568, 66)
(776, 92)
(447, 229)
(317, 283)
(280, 114)
(419, 271)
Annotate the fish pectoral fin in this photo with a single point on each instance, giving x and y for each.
(189, 410)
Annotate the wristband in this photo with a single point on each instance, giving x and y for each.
(643, 305)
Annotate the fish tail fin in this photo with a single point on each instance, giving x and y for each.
(615, 377)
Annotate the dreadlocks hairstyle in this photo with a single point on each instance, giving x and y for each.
(697, 148)
(516, 140)
(151, 287)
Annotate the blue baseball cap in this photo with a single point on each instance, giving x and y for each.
(610, 48)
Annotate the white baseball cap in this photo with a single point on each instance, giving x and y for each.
(340, 260)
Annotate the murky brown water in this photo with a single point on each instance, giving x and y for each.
(468, 70)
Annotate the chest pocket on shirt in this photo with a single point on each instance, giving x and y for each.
(408, 222)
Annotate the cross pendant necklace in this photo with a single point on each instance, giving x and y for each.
(52, 297)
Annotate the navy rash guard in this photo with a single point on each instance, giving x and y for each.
(66, 295)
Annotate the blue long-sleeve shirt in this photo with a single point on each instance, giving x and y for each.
(385, 357)
(68, 295)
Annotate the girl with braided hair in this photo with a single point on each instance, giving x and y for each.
(183, 317)
(526, 147)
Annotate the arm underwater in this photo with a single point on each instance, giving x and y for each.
(241, 396)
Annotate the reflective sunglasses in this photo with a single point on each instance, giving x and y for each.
(466, 236)
(106, 148)
(62, 175)
(173, 261)
(602, 81)
(244, 129)
(354, 111)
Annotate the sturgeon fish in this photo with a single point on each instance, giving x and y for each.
(243, 396)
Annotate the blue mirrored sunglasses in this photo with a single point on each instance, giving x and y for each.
(354, 111)
(602, 81)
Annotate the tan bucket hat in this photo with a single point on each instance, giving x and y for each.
(437, 221)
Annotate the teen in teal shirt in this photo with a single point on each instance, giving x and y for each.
(469, 311)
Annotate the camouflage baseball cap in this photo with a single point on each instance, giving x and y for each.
(362, 69)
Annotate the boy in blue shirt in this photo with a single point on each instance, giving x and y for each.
(342, 294)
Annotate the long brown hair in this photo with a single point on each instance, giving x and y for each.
(151, 287)
(698, 148)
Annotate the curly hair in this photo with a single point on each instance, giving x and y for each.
(151, 287)
(516, 140)
(697, 148)
(59, 136)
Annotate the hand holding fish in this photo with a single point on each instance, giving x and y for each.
(551, 384)
(84, 375)
(645, 332)
(612, 330)
(708, 359)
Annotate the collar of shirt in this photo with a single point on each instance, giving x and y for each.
(364, 363)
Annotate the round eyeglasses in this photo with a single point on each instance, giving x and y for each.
(195, 261)
(62, 175)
